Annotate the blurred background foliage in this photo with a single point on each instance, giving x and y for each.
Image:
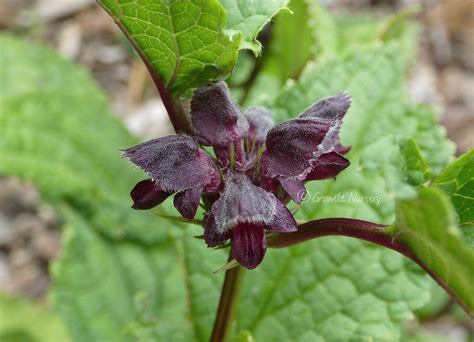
(63, 123)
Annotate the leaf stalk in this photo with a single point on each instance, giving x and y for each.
(380, 234)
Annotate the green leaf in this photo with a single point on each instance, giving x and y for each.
(141, 284)
(427, 224)
(290, 32)
(457, 180)
(184, 41)
(26, 321)
(399, 162)
(305, 291)
(120, 291)
(325, 30)
(122, 274)
(342, 34)
(312, 32)
(276, 65)
(56, 130)
(249, 17)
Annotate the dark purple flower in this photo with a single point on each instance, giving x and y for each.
(258, 168)
(176, 164)
(242, 213)
(215, 118)
(260, 122)
(296, 150)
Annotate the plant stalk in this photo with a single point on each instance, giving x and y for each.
(227, 303)
(174, 107)
(365, 230)
(379, 234)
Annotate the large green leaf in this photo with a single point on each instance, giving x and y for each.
(189, 43)
(113, 255)
(122, 274)
(128, 290)
(56, 130)
(306, 291)
(427, 224)
(249, 17)
(312, 32)
(184, 41)
(457, 180)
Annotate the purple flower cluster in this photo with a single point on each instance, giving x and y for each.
(257, 167)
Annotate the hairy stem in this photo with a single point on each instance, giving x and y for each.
(227, 303)
(372, 232)
(174, 107)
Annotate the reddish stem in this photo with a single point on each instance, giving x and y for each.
(372, 232)
(174, 108)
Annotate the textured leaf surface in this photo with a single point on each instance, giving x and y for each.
(299, 293)
(121, 275)
(304, 292)
(428, 225)
(339, 35)
(249, 17)
(56, 130)
(132, 291)
(457, 180)
(183, 40)
(312, 32)
(26, 321)
(399, 162)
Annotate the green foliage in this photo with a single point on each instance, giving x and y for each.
(303, 292)
(189, 43)
(123, 290)
(118, 265)
(400, 163)
(311, 32)
(457, 180)
(184, 41)
(374, 78)
(125, 275)
(27, 322)
(249, 17)
(56, 129)
(427, 224)
(291, 32)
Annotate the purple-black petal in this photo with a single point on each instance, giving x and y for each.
(242, 201)
(293, 144)
(283, 221)
(174, 162)
(147, 194)
(215, 118)
(333, 107)
(328, 165)
(187, 202)
(260, 122)
(294, 188)
(248, 244)
(212, 235)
